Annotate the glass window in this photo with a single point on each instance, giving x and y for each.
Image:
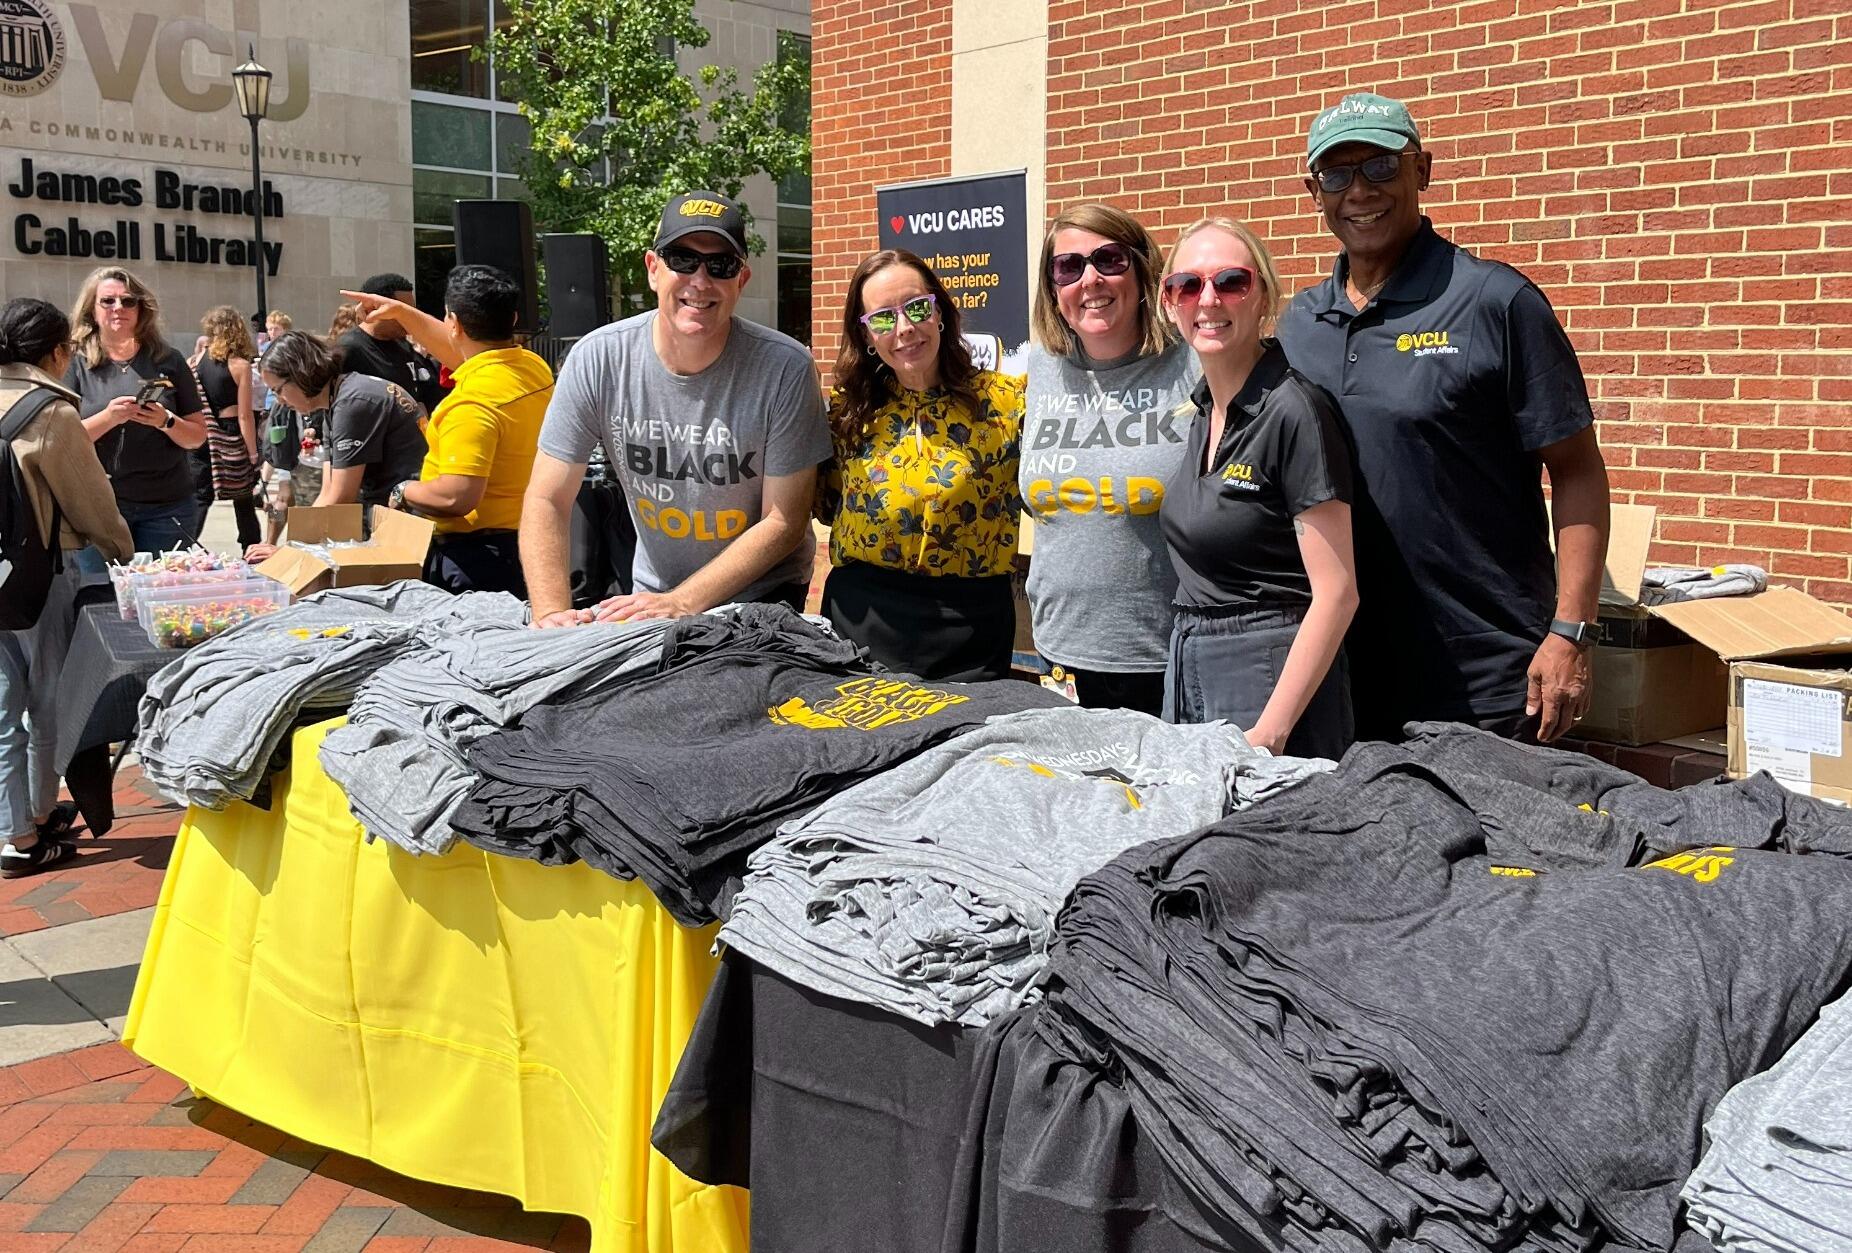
(443, 135)
(794, 298)
(512, 189)
(436, 256)
(512, 137)
(443, 34)
(435, 193)
(793, 229)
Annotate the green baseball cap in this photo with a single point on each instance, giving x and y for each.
(1363, 117)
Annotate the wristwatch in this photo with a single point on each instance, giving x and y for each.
(169, 424)
(1581, 634)
(396, 498)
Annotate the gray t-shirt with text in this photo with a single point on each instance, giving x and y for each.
(1098, 441)
(692, 451)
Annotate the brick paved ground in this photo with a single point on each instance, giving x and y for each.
(111, 875)
(100, 1152)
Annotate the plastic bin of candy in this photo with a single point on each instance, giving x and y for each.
(139, 585)
(180, 617)
(171, 569)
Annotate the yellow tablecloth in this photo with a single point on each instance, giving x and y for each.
(469, 1019)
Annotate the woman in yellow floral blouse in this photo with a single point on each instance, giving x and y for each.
(921, 497)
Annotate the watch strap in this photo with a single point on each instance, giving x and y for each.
(1581, 634)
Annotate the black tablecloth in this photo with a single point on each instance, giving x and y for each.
(851, 1127)
(105, 674)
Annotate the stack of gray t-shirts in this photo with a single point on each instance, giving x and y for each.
(931, 890)
(1415, 1004)
(400, 757)
(212, 721)
(751, 720)
(1777, 1177)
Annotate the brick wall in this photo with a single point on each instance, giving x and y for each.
(1676, 175)
(881, 111)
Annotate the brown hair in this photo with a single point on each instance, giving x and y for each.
(1266, 278)
(87, 337)
(346, 318)
(227, 336)
(302, 359)
(864, 381)
(1051, 329)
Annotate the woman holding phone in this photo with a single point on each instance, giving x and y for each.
(140, 407)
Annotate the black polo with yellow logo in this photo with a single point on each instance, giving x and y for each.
(1449, 382)
(1230, 530)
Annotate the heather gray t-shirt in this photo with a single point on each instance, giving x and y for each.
(692, 451)
(1098, 441)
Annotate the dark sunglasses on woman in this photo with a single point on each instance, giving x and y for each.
(127, 302)
(1235, 282)
(1067, 268)
(721, 265)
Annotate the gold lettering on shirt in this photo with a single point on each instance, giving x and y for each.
(865, 705)
(1702, 865)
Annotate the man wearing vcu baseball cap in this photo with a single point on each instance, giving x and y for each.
(714, 425)
(1459, 388)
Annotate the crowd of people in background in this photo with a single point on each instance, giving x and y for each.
(1317, 518)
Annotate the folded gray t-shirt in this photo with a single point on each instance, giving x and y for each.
(692, 451)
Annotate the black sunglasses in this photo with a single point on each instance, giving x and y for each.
(127, 302)
(1067, 268)
(1380, 168)
(721, 265)
(1235, 282)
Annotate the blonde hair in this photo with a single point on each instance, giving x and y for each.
(226, 334)
(277, 318)
(87, 337)
(1051, 329)
(1266, 278)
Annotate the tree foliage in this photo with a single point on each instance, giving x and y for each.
(618, 126)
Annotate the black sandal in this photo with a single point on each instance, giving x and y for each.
(17, 863)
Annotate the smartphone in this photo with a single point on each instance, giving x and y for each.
(150, 391)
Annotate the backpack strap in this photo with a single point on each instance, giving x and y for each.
(17, 419)
(26, 408)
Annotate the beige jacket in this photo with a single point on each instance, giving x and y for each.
(60, 463)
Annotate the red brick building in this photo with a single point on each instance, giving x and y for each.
(1675, 174)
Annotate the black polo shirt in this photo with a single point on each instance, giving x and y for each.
(1450, 382)
(145, 466)
(378, 425)
(1230, 530)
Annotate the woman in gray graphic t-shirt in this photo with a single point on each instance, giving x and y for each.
(1105, 423)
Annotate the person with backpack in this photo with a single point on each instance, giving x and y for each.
(55, 500)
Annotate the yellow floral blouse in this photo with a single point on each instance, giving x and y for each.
(929, 488)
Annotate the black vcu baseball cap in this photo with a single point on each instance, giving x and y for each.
(698, 211)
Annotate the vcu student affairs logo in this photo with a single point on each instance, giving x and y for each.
(31, 47)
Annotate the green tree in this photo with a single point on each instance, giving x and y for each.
(619, 128)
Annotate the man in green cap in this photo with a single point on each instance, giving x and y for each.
(1459, 388)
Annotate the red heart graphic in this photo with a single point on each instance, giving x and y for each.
(898, 223)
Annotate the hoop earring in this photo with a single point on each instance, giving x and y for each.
(870, 350)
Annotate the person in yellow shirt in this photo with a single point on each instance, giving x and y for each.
(482, 437)
(921, 496)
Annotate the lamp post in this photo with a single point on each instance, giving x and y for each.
(252, 83)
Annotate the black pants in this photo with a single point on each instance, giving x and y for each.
(1225, 664)
(1140, 690)
(476, 561)
(934, 626)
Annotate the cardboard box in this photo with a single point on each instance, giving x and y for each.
(396, 550)
(1652, 686)
(1794, 721)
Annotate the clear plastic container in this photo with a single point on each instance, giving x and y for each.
(180, 617)
(139, 585)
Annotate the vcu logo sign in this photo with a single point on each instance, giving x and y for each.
(31, 47)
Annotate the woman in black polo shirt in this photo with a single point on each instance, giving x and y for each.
(1257, 518)
(116, 337)
(373, 430)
